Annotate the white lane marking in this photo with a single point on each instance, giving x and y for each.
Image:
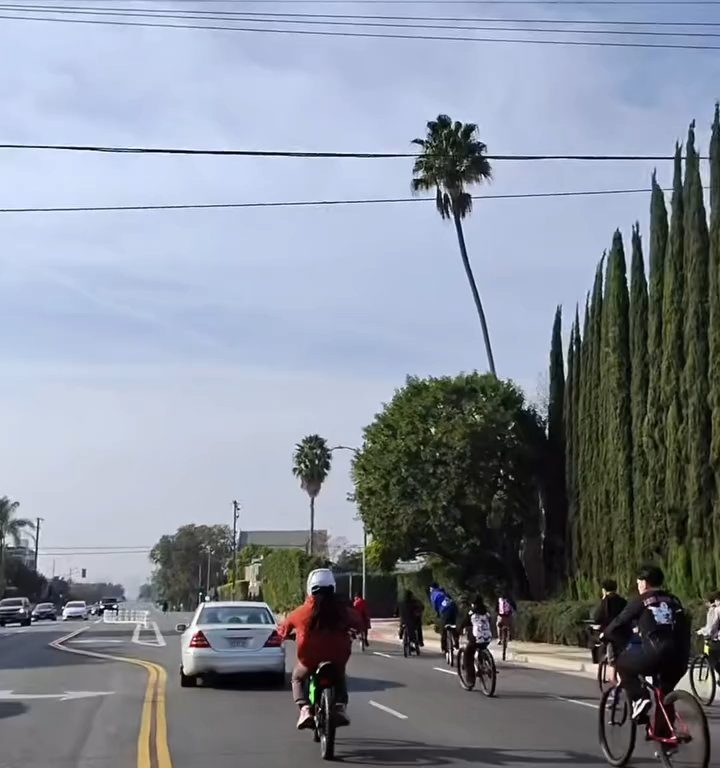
(97, 621)
(96, 642)
(575, 701)
(158, 635)
(384, 655)
(158, 642)
(392, 712)
(446, 671)
(66, 696)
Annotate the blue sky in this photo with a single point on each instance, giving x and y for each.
(158, 365)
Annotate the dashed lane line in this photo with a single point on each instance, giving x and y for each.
(389, 711)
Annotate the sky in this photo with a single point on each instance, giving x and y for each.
(157, 365)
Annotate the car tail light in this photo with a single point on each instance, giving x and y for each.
(199, 640)
(274, 641)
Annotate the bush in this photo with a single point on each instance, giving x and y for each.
(284, 573)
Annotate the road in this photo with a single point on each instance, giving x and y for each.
(405, 712)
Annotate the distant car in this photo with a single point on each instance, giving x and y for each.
(15, 610)
(107, 604)
(229, 638)
(44, 611)
(75, 609)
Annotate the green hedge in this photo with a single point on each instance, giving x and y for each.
(561, 621)
(284, 573)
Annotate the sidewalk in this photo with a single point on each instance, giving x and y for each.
(559, 658)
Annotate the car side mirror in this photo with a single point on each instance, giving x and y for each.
(180, 627)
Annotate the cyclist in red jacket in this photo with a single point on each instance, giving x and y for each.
(361, 606)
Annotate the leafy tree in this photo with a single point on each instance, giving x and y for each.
(450, 467)
(452, 159)
(311, 465)
(555, 491)
(349, 560)
(181, 561)
(24, 581)
(11, 527)
(572, 411)
(146, 593)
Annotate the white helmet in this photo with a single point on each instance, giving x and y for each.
(320, 578)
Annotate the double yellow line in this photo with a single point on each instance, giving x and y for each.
(152, 750)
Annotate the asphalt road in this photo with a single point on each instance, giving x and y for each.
(405, 712)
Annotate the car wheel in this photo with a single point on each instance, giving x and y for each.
(187, 681)
(27, 623)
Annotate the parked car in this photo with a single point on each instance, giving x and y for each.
(44, 611)
(15, 610)
(228, 638)
(75, 609)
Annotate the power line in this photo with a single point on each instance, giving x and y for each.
(372, 35)
(386, 24)
(76, 548)
(299, 154)
(269, 17)
(317, 203)
(452, 2)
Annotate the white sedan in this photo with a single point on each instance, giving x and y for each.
(75, 609)
(229, 638)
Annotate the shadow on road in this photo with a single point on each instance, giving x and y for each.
(11, 709)
(261, 683)
(412, 753)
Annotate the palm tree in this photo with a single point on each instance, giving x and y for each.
(452, 159)
(311, 465)
(10, 526)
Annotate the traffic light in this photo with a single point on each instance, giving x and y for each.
(83, 572)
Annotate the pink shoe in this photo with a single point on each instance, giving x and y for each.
(306, 719)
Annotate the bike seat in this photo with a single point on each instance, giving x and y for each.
(326, 674)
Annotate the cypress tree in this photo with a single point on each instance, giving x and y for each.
(639, 385)
(584, 543)
(569, 412)
(619, 556)
(676, 556)
(556, 507)
(714, 327)
(655, 532)
(697, 417)
(597, 533)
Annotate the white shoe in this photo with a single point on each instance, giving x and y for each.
(640, 706)
(306, 719)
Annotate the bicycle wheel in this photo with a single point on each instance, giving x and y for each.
(326, 726)
(702, 680)
(505, 643)
(690, 726)
(615, 726)
(466, 677)
(449, 648)
(406, 643)
(602, 675)
(487, 672)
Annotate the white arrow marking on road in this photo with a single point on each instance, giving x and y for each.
(66, 696)
(95, 642)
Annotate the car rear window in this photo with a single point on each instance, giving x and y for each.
(11, 602)
(44, 606)
(76, 604)
(234, 615)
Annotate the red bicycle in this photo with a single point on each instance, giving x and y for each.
(677, 724)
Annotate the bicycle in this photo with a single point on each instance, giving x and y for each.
(481, 665)
(602, 656)
(450, 641)
(322, 697)
(702, 672)
(410, 642)
(667, 727)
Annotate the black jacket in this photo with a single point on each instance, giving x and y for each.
(610, 606)
(661, 620)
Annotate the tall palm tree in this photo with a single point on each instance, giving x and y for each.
(451, 160)
(311, 465)
(11, 527)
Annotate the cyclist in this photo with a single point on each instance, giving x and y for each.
(505, 609)
(664, 631)
(478, 621)
(448, 617)
(711, 629)
(410, 611)
(361, 606)
(322, 625)
(610, 606)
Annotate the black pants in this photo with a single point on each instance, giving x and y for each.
(644, 661)
(714, 654)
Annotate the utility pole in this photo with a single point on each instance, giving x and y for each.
(38, 520)
(236, 515)
(207, 580)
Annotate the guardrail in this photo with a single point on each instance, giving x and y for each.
(125, 616)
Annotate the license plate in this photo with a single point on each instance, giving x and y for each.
(239, 642)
